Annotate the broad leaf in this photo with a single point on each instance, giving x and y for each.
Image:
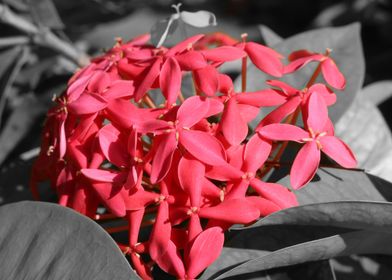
(346, 214)
(332, 184)
(364, 129)
(356, 242)
(45, 241)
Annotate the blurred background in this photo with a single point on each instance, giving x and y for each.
(43, 42)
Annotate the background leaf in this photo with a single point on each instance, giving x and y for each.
(46, 241)
(364, 129)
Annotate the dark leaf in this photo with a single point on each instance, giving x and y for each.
(346, 214)
(46, 241)
(356, 242)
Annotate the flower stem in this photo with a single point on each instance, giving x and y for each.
(244, 66)
(148, 101)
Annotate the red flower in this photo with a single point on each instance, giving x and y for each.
(317, 137)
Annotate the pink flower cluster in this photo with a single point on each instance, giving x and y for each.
(191, 166)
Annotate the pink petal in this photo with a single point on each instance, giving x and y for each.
(209, 189)
(223, 54)
(191, 176)
(215, 107)
(119, 89)
(103, 176)
(194, 228)
(151, 126)
(63, 140)
(338, 151)
(204, 251)
(191, 60)
(192, 111)
(139, 199)
(301, 62)
(283, 132)
(286, 88)
(170, 80)
(234, 128)
(225, 84)
(171, 262)
(262, 98)
(77, 87)
(149, 74)
(277, 115)
(299, 54)
(248, 112)
(99, 82)
(112, 199)
(166, 145)
(328, 95)
(332, 74)
(225, 172)
(266, 59)
(206, 80)
(113, 146)
(265, 206)
(317, 113)
(185, 44)
(235, 211)
(203, 146)
(276, 193)
(162, 250)
(256, 153)
(126, 114)
(305, 165)
(87, 103)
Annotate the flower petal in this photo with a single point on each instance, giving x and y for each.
(283, 132)
(225, 172)
(192, 111)
(235, 211)
(191, 60)
(328, 95)
(205, 249)
(165, 146)
(185, 44)
(256, 153)
(87, 103)
(170, 80)
(317, 113)
(262, 98)
(305, 165)
(234, 128)
(265, 206)
(286, 88)
(276, 193)
(266, 59)
(338, 151)
(113, 146)
(203, 146)
(191, 176)
(119, 89)
(149, 74)
(332, 74)
(206, 80)
(223, 54)
(277, 115)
